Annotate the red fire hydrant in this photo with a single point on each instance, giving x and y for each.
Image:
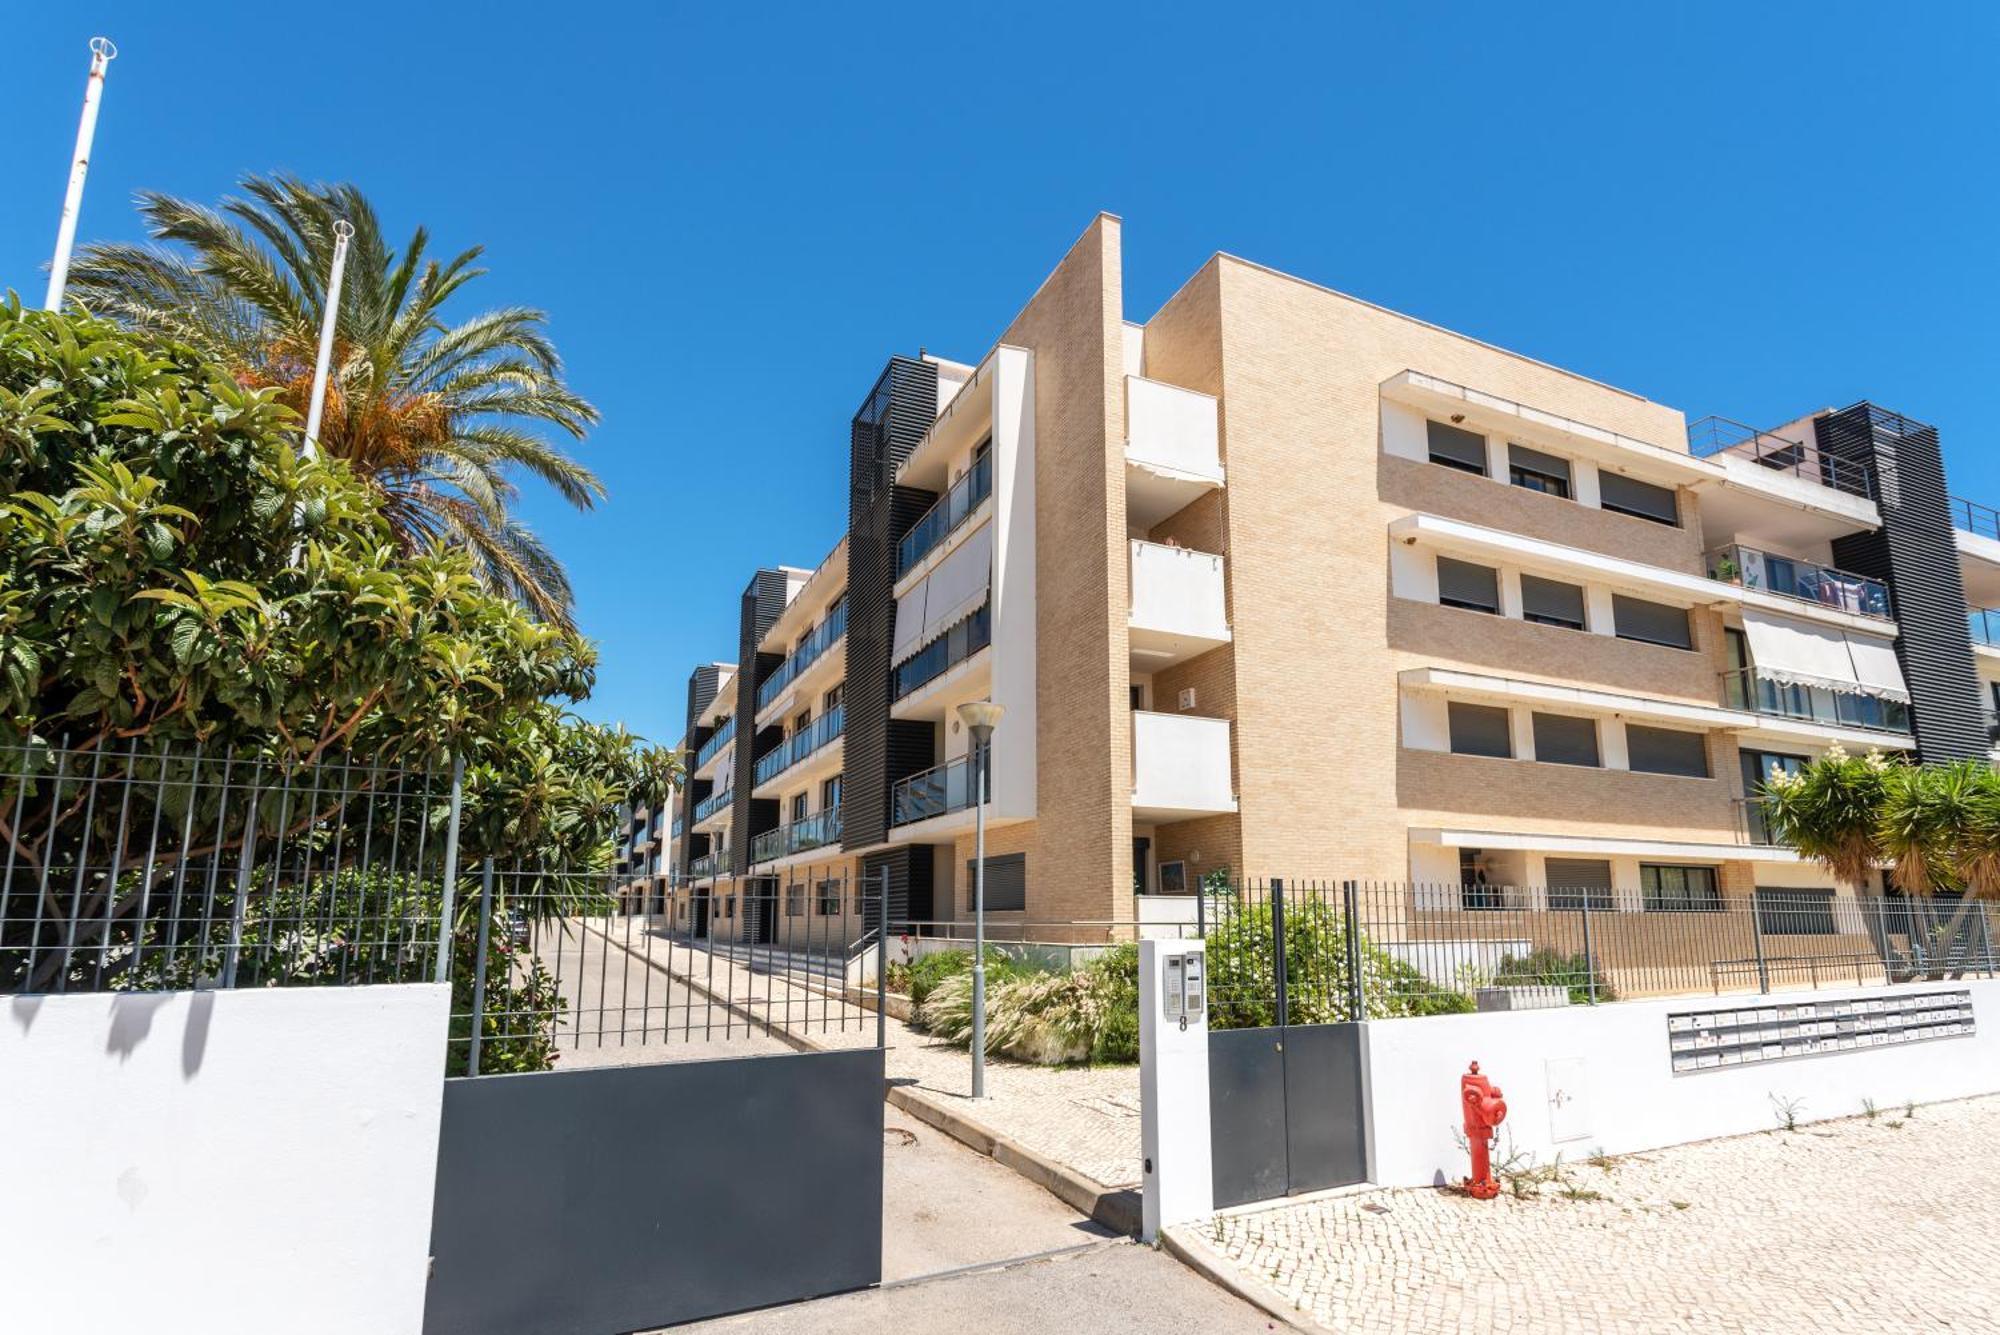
(1485, 1110)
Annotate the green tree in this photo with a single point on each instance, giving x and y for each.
(436, 417)
(172, 574)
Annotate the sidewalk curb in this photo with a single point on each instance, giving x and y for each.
(1117, 1208)
(1181, 1243)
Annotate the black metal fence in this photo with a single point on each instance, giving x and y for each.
(559, 969)
(135, 867)
(1294, 951)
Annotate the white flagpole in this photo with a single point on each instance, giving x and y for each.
(102, 53)
(342, 230)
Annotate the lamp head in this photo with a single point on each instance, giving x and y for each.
(981, 717)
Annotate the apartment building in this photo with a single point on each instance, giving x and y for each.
(1280, 582)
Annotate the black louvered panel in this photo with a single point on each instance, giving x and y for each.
(893, 418)
(702, 685)
(909, 889)
(763, 601)
(1915, 553)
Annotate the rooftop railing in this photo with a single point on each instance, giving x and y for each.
(823, 732)
(1790, 577)
(1974, 518)
(1719, 435)
(824, 637)
(1745, 689)
(942, 519)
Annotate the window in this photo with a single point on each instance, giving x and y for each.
(1562, 740)
(1474, 890)
(1479, 730)
(1537, 471)
(798, 806)
(1651, 623)
(1463, 584)
(729, 906)
(829, 793)
(827, 902)
(1006, 883)
(1552, 602)
(1666, 751)
(1457, 448)
(795, 899)
(1679, 889)
(831, 700)
(1641, 500)
(1795, 912)
(1579, 883)
(1173, 878)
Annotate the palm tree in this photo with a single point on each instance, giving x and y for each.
(1830, 812)
(436, 416)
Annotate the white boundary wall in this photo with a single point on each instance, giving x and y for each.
(1579, 1078)
(220, 1162)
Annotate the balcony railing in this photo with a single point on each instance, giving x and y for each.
(713, 803)
(1807, 581)
(1744, 689)
(708, 864)
(679, 826)
(946, 652)
(1719, 435)
(824, 637)
(824, 730)
(713, 746)
(1984, 623)
(942, 519)
(815, 831)
(938, 791)
(1975, 518)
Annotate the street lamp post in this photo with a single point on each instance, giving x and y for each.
(980, 718)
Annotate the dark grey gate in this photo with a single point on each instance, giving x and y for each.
(602, 1201)
(1286, 1110)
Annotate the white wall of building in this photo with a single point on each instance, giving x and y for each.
(1013, 591)
(220, 1162)
(1578, 1079)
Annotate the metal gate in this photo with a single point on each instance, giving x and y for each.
(1287, 1110)
(632, 1137)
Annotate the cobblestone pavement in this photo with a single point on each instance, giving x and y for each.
(1084, 1118)
(1884, 1225)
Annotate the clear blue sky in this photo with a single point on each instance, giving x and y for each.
(734, 214)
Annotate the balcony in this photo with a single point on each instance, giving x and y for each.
(1984, 624)
(825, 730)
(1806, 581)
(1713, 436)
(1744, 689)
(1178, 609)
(815, 831)
(1180, 766)
(824, 637)
(943, 519)
(712, 748)
(705, 866)
(944, 653)
(938, 791)
(1982, 521)
(714, 802)
(1172, 449)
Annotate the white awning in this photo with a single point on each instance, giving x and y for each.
(947, 595)
(725, 767)
(1799, 653)
(1876, 666)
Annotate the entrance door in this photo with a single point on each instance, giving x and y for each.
(1142, 864)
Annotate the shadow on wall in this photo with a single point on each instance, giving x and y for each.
(132, 1017)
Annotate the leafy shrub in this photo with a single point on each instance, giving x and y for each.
(1549, 967)
(1089, 1014)
(1241, 972)
(923, 975)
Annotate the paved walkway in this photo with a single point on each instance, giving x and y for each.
(1085, 1118)
(1884, 1225)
